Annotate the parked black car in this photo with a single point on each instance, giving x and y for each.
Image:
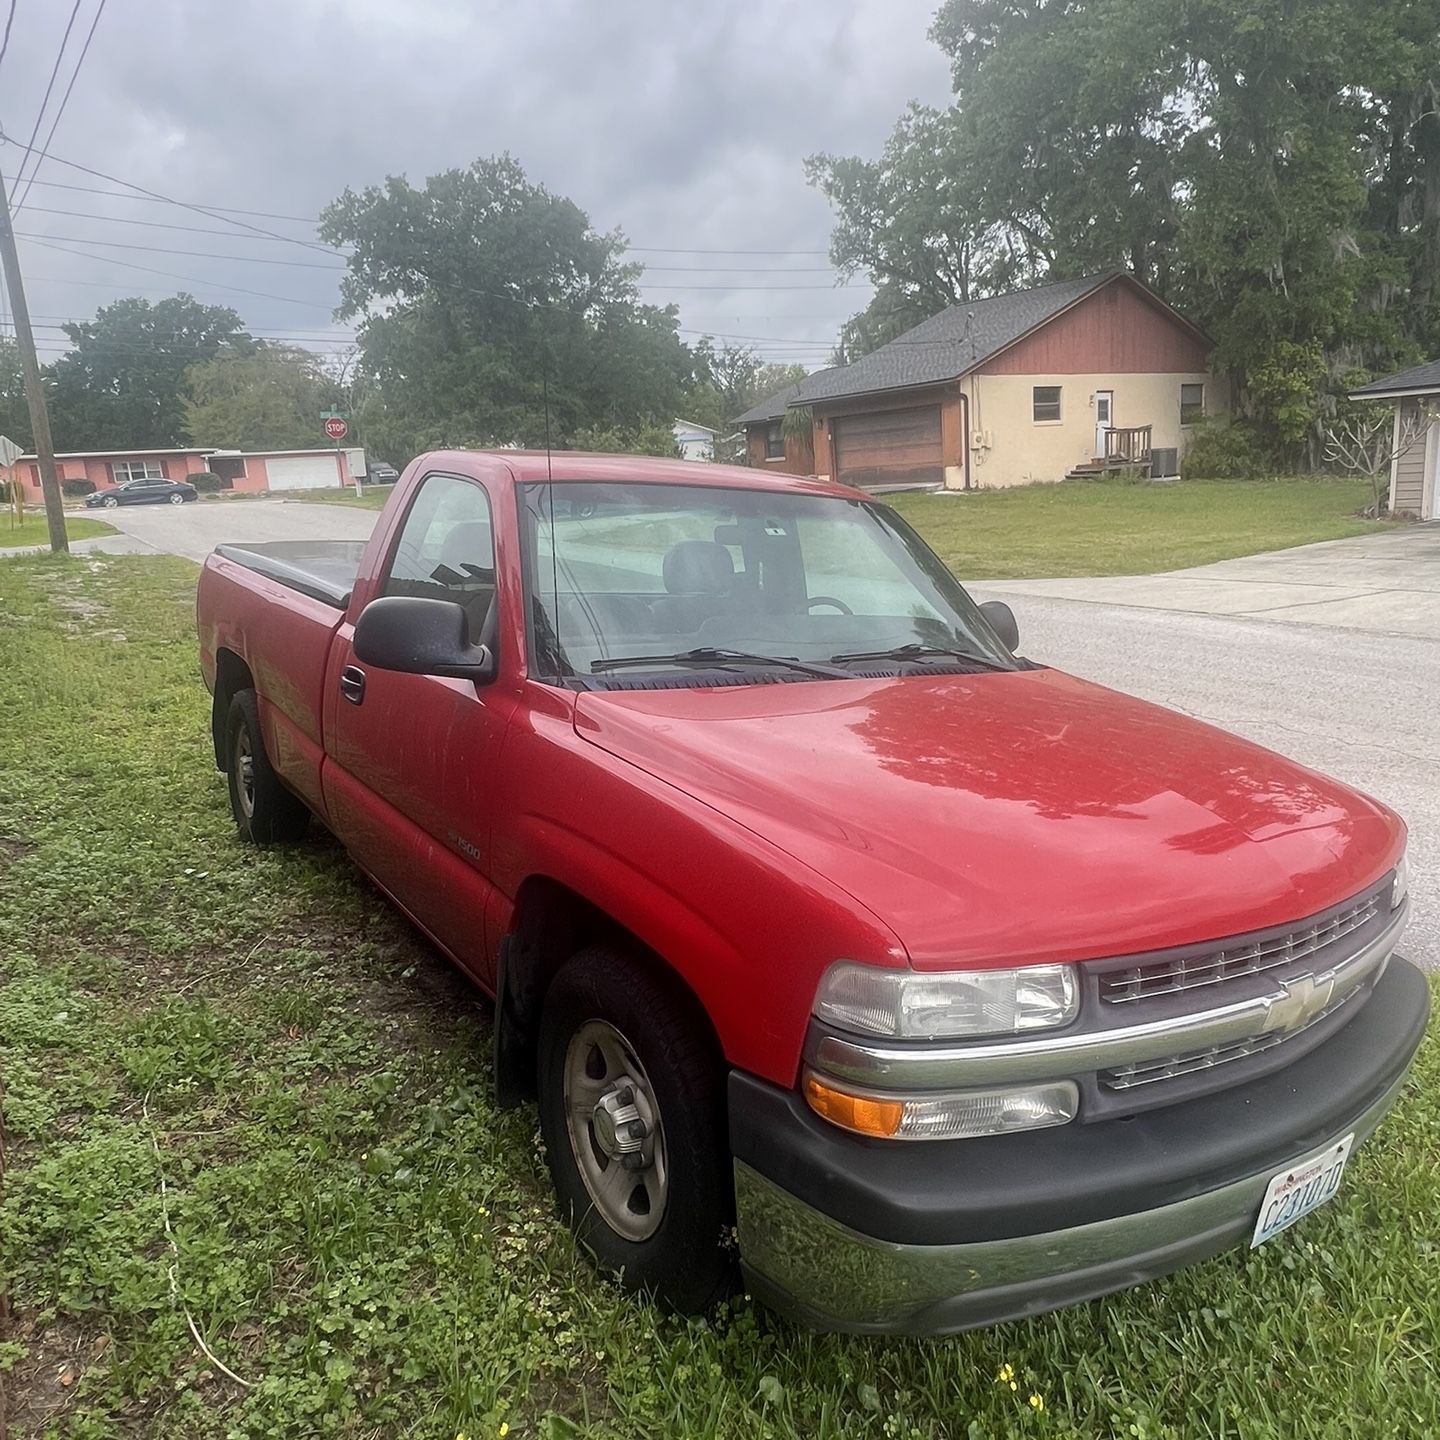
(143, 492)
(381, 474)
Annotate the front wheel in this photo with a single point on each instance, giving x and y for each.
(177, 498)
(632, 1111)
(265, 812)
(110, 502)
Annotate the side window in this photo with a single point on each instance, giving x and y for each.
(446, 550)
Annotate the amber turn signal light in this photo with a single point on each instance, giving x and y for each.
(864, 1114)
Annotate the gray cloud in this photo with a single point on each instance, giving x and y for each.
(684, 125)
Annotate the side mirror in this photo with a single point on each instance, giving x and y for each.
(1000, 618)
(420, 637)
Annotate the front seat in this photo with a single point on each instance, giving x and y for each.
(699, 580)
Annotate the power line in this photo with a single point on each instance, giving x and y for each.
(162, 200)
(64, 101)
(172, 275)
(155, 195)
(9, 21)
(131, 220)
(166, 250)
(54, 71)
(675, 250)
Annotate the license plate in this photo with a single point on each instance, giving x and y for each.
(1297, 1191)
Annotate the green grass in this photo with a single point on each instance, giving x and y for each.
(32, 530)
(1045, 531)
(373, 498)
(370, 1242)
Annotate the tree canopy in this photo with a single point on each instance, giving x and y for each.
(1272, 168)
(270, 399)
(123, 382)
(483, 296)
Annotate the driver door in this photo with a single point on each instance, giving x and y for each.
(412, 760)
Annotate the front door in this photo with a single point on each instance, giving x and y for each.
(1104, 408)
(413, 760)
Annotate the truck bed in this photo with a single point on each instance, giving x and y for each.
(325, 570)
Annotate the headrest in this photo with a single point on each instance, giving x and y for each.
(468, 544)
(698, 567)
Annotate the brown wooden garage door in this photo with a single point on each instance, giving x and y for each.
(890, 447)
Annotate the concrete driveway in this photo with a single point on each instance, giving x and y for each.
(1387, 583)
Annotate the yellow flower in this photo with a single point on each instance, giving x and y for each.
(504, 1427)
(1037, 1402)
(461, 1435)
(1007, 1372)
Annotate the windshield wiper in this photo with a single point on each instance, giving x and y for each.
(709, 655)
(916, 651)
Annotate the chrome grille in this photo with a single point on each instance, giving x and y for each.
(1171, 1067)
(1214, 967)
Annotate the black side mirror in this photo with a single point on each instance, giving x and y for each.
(420, 637)
(1001, 619)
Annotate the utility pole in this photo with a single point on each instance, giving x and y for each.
(34, 392)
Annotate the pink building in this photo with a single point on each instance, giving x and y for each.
(240, 470)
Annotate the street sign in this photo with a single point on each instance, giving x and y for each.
(336, 428)
(10, 452)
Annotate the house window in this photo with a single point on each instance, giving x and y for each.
(1192, 404)
(124, 470)
(1046, 404)
(775, 441)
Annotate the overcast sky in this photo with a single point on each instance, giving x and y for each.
(686, 125)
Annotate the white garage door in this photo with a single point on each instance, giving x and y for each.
(302, 472)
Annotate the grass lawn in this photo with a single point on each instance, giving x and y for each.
(32, 531)
(1045, 531)
(368, 1242)
(373, 498)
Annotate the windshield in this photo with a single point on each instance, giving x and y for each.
(620, 571)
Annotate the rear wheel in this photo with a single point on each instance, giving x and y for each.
(632, 1111)
(265, 812)
(177, 498)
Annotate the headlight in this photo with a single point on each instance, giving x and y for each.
(961, 1115)
(1401, 887)
(955, 1004)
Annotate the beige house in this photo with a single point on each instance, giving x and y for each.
(1066, 380)
(1415, 448)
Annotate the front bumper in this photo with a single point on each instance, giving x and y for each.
(850, 1234)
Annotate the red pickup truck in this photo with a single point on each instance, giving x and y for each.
(960, 988)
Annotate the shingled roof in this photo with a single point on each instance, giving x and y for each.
(773, 407)
(1418, 380)
(955, 341)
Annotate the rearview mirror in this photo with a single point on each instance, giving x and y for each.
(420, 637)
(1001, 619)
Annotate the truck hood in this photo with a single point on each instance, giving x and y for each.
(1023, 816)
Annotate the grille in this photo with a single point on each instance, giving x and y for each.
(1171, 1067)
(1214, 967)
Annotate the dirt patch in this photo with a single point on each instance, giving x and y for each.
(44, 1382)
(13, 848)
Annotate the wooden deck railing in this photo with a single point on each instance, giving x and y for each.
(1128, 446)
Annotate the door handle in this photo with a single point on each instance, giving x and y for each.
(352, 684)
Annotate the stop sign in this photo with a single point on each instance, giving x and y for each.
(336, 428)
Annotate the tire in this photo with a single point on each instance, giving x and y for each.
(265, 812)
(110, 502)
(672, 1246)
(177, 498)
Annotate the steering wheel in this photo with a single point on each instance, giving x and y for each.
(840, 605)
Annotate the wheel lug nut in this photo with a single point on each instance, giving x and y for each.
(625, 1097)
(638, 1130)
(633, 1161)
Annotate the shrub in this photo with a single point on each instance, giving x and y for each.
(207, 482)
(1228, 450)
(76, 488)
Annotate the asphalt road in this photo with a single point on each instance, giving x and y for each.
(194, 530)
(1363, 706)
